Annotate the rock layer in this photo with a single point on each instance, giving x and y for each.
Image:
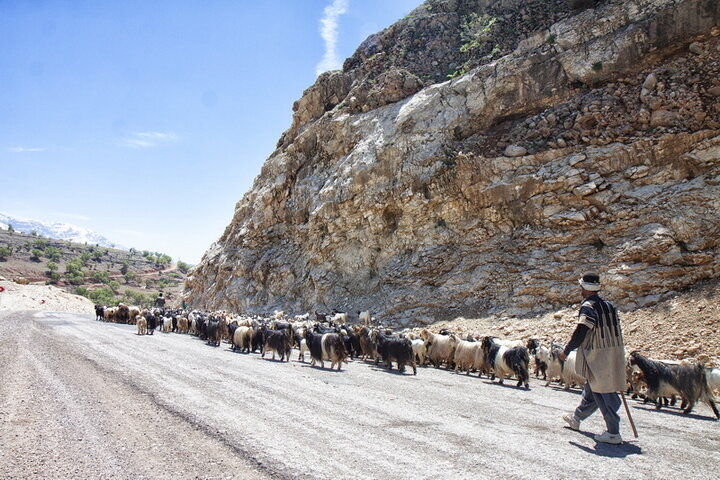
(593, 145)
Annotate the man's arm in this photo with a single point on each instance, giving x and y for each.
(575, 341)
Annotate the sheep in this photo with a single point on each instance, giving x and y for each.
(167, 325)
(241, 339)
(440, 348)
(713, 378)
(134, 312)
(465, 355)
(183, 326)
(569, 376)
(688, 380)
(507, 361)
(365, 318)
(141, 323)
(419, 350)
(367, 346)
(340, 317)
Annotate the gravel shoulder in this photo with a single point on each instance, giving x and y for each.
(85, 399)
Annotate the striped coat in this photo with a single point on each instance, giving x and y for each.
(601, 357)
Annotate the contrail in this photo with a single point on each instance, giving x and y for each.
(328, 31)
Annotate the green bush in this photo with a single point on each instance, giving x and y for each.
(82, 291)
(74, 268)
(100, 277)
(102, 296)
(474, 31)
(136, 298)
(130, 277)
(74, 279)
(183, 267)
(114, 286)
(54, 277)
(5, 252)
(52, 266)
(35, 254)
(53, 253)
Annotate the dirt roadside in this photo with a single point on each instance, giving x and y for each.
(65, 416)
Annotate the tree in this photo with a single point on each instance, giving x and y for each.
(100, 277)
(114, 286)
(53, 253)
(52, 266)
(130, 277)
(4, 253)
(183, 267)
(102, 296)
(35, 254)
(125, 267)
(10, 228)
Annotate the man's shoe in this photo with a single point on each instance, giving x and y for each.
(606, 437)
(572, 421)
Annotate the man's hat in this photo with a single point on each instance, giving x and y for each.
(590, 282)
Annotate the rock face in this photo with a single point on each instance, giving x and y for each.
(587, 139)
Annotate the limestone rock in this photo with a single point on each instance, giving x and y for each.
(515, 151)
(421, 197)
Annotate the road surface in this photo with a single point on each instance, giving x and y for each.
(85, 399)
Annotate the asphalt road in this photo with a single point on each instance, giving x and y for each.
(85, 399)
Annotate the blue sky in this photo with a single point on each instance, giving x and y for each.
(147, 121)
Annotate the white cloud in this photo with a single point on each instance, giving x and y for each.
(25, 149)
(329, 34)
(147, 139)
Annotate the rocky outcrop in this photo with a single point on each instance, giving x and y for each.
(593, 144)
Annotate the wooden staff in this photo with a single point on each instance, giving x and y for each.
(627, 410)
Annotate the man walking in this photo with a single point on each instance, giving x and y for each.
(600, 359)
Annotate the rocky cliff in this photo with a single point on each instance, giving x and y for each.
(479, 155)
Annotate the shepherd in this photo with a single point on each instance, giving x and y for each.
(600, 359)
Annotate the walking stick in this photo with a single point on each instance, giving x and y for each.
(627, 410)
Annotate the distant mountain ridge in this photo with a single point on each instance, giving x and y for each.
(57, 230)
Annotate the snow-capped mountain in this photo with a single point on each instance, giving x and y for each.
(57, 230)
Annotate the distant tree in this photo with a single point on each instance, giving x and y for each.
(125, 267)
(130, 277)
(100, 277)
(145, 253)
(53, 253)
(102, 296)
(54, 277)
(10, 228)
(163, 259)
(97, 255)
(52, 266)
(183, 267)
(40, 243)
(114, 286)
(82, 291)
(35, 254)
(132, 251)
(74, 267)
(33, 233)
(85, 257)
(4, 253)
(74, 279)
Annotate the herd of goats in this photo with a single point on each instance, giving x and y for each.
(330, 337)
